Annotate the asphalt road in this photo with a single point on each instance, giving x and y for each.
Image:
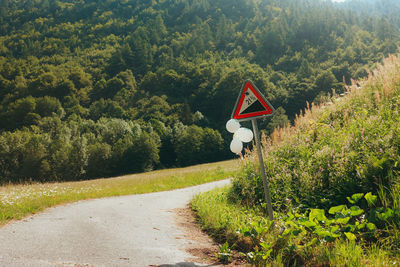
(135, 230)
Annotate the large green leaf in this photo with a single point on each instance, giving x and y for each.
(308, 224)
(349, 228)
(342, 220)
(371, 226)
(361, 226)
(337, 209)
(386, 214)
(321, 232)
(334, 229)
(317, 214)
(355, 211)
(312, 242)
(371, 199)
(350, 236)
(355, 198)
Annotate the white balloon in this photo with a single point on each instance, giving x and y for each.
(232, 125)
(245, 135)
(236, 136)
(236, 146)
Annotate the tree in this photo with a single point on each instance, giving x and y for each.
(64, 87)
(76, 165)
(105, 108)
(325, 81)
(154, 108)
(280, 119)
(198, 145)
(188, 146)
(212, 146)
(186, 115)
(99, 160)
(45, 84)
(48, 106)
(142, 155)
(20, 113)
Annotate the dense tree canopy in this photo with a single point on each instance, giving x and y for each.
(98, 88)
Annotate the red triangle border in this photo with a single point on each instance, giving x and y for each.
(269, 109)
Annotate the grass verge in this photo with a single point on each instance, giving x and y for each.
(218, 216)
(18, 201)
(247, 230)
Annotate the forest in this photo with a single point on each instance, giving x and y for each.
(99, 88)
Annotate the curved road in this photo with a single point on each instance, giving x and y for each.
(134, 230)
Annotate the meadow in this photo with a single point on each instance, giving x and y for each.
(19, 201)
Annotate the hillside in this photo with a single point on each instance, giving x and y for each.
(349, 144)
(100, 88)
(385, 9)
(334, 181)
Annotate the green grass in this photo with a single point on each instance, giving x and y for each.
(18, 201)
(223, 220)
(334, 151)
(348, 145)
(218, 216)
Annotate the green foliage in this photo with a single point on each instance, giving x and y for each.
(336, 151)
(105, 108)
(371, 199)
(334, 179)
(195, 144)
(355, 198)
(141, 155)
(301, 232)
(343, 222)
(73, 150)
(225, 253)
(295, 238)
(159, 63)
(98, 160)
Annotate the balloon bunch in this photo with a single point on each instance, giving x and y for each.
(240, 135)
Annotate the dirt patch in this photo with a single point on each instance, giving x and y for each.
(201, 246)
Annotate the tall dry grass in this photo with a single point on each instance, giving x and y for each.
(382, 82)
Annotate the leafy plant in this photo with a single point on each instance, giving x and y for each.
(371, 199)
(297, 232)
(256, 229)
(225, 253)
(260, 255)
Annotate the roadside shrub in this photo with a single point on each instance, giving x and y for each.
(346, 146)
(333, 176)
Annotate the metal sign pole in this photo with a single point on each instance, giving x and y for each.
(262, 169)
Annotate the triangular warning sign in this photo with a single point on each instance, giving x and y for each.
(251, 103)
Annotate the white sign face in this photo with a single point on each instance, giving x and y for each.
(249, 100)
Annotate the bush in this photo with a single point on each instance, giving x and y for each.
(333, 151)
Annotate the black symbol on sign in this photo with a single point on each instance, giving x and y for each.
(253, 107)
